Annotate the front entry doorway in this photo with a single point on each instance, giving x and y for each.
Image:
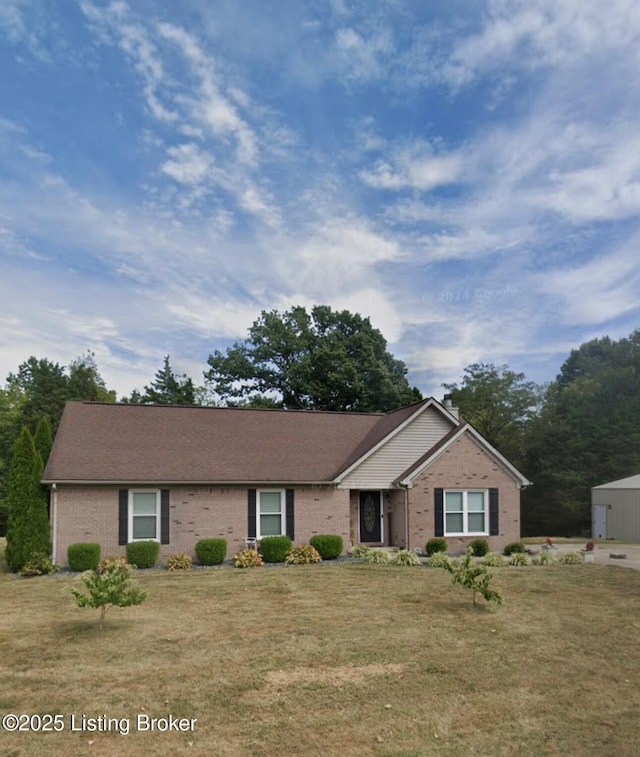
(370, 518)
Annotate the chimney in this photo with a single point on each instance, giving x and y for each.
(447, 401)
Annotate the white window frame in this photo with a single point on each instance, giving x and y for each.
(131, 515)
(283, 512)
(465, 512)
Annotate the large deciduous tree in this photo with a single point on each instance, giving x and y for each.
(499, 403)
(588, 433)
(323, 360)
(28, 524)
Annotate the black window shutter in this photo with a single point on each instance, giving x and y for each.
(164, 517)
(494, 512)
(290, 514)
(251, 523)
(438, 509)
(123, 516)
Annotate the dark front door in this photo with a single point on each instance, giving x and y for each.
(370, 517)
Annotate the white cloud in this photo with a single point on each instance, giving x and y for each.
(544, 33)
(188, 164)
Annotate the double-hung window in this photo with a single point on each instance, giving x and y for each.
(144, 514)
(270, 513)
(466, 512)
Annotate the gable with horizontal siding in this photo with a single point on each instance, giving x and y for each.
(386, 464)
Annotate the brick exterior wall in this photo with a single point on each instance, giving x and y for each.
(464, 465)
(90, 513)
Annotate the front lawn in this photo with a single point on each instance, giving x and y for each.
(346, 659)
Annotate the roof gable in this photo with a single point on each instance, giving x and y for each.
(630, 482)
(397, 445)
(408, 477)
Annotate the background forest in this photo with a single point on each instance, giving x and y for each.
(581, 430)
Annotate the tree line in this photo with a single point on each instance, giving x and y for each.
(580, 430)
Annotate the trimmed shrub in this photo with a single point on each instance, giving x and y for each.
(495, 560)
(515, 546)
(39, 564)
(83, 556)
(406, 557)
(275, 548)
(143, 554)
(519, 558)
(305, 555)
(248, 558)
(181, 561)
(437, 544)
(211, 551)
(328, 545)
(479, 547)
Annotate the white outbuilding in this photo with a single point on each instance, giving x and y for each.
(615, 510)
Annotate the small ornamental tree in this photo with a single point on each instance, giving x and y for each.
(28, 530)
(473, 576)
(110, 588)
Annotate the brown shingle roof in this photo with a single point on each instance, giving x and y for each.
(155, 443)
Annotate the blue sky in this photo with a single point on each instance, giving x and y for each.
(465, 173)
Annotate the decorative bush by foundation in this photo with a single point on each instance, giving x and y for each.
(377, 556)
(39, 564)
(439, 560)
(143, 554)
(479, 547)
(248, 558)
(110, 560)
(495, 560)
(181, 561)
(360, 551)
(406, 557)
(437, 544)
(305, 555)
(211, 551)
(571, 558)
(83, 556)
(275, 548)
(544, 558)
(515, 546)
(328, 545)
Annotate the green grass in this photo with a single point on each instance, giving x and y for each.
(346, 659)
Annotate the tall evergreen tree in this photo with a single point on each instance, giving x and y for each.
(167, 389)
(43, 440)
(28, 529)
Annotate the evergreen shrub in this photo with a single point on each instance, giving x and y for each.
(515, 546)
(143, 554)
(479, 547)
(211, 551)
(437, 544)
(275, 548)
(83, 556)
(328, 545)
